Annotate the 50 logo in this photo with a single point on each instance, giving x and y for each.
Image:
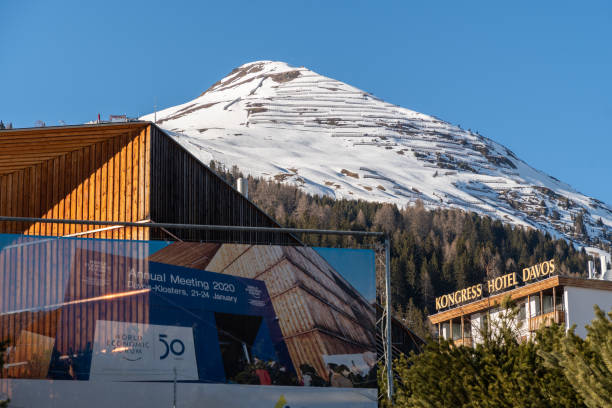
(176, 346)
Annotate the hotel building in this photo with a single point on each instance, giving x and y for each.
(555, 299)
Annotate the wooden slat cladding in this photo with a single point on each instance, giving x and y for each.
(20, 148)
(104, 180)
(309, 347)
(284, 268)
(188, 254)
(185, 191)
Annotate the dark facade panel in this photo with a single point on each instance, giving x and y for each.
(185, 191)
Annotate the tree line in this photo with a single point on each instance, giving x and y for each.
(432, 251)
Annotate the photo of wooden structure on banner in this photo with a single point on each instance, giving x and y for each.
(319, 312)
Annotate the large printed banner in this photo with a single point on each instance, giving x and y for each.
(113, 311)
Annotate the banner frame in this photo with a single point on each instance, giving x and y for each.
(387, 317)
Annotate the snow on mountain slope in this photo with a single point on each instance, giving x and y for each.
(296, 126)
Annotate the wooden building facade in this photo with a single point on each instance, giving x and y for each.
(118, 172)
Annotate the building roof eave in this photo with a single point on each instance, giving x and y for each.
(517, 293)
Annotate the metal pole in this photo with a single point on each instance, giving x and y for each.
(194, 226)
(174, 390)
(245, 350)
(529, 317)
(389, 351)
(554, 304)
(462, 339)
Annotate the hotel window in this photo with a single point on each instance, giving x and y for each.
(494, 314)
(467, 327)
(446, 330)
(535, 305)
(547, 303)
(559, 301)
(483, 321)
(522, 311)
(456, 330)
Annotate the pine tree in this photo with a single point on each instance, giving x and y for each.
(1, 125)
(587, 363)
(579, 228)
(385, 218)
(414, 318)
(303, 207)
(425, 287)
(499, 372)
(280, 214)
(360, 221)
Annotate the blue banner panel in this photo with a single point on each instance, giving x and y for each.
(137, 311)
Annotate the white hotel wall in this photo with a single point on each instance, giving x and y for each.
(579, 304)
(521, 326)
(475, 326)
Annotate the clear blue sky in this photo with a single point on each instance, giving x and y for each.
(357, 266)
(535, 76)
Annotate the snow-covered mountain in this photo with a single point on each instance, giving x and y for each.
(296, 126)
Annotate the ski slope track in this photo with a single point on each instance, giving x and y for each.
(295, 126)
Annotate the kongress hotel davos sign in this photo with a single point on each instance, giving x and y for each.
(496, 285)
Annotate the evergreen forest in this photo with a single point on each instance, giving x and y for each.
(432, 251)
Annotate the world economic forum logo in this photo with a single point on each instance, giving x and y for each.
(131, 346)
(175, 347)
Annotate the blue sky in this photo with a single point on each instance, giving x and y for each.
(534, 76)
(357, 266)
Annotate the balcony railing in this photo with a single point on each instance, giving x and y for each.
(546, 319)
(467, 341)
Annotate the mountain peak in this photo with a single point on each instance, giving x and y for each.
(296, 126)
(276, 70)
(268, 65)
